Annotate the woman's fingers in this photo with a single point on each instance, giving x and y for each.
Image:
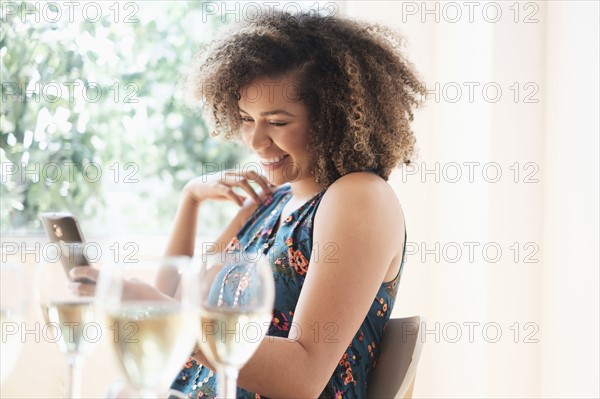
(81, 272)
(229, 193)
(83, 278)
(82, 289)
(235, 179)
(84, 272)
(261, 180)
(242, 179)
(223, 186)
(247, 188)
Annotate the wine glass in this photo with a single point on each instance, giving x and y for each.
(12, 311)
(70, 318)
(153, 325)
(235, 301)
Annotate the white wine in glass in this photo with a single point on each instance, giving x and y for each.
(236, 298)
(230, 336)
(12, 310)
(153, 331)
(71, 320)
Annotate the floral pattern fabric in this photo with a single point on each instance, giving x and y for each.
(289, 250)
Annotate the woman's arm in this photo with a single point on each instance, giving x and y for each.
(197, 191)
(182, 239)
(361, 220)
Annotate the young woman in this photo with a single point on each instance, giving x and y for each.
(325, 103)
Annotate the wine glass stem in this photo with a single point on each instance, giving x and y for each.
(74, 387)
(227, 381)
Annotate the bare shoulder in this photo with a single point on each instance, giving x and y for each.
(363, 204)
(363, 190)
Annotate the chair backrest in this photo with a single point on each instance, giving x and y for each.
(396, 367)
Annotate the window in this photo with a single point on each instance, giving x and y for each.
(93, 121)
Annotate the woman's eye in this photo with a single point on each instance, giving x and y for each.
(246, 119)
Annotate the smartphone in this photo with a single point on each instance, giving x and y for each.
(62, 228)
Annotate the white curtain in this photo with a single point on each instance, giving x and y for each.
(501, 204)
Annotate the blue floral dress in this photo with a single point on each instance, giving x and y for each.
(289, 250)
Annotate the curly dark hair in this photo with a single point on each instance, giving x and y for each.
(358, 87)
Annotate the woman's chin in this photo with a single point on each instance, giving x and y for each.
(278, 181)
(282, 175)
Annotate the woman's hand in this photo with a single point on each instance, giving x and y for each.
(220, 186)
(133, 289)
(83, 272)
(199, 357)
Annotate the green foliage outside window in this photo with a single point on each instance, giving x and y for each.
(84, 97)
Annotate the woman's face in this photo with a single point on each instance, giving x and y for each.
(276, 126)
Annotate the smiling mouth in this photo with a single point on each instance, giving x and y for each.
(272, 162)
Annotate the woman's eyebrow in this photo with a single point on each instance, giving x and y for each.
(273, 112)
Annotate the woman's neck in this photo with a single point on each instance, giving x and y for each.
(305, 189)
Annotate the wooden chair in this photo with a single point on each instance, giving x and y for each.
(394, 374)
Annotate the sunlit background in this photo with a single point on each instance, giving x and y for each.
(501, 204)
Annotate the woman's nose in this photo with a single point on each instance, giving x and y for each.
(259, 138)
